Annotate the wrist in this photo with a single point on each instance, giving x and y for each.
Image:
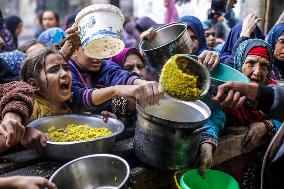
(254, 90)
(12, 116)
(139, 82)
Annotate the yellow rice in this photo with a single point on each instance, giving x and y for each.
(178, 83)
(76, 133)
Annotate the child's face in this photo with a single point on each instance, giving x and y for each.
(56, 79)
(87, 63)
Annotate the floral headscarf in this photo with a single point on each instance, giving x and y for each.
(14, 60)
(52, 36)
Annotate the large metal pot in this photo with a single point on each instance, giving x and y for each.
(170, 39)
(72, 150)
(100, 171)
(168, 136)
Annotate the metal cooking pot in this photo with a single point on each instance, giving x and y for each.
(72, 150)
(170, 39)
(168, 135)
(100, 171)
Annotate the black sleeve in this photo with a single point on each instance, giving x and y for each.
(265, 98)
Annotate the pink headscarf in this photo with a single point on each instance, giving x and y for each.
(120, 58)
(171, 13)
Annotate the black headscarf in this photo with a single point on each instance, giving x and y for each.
(12, 23)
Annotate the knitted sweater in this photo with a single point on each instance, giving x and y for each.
(83, 83)
(16, 97)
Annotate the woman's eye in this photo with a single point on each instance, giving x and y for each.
(53, 69)
(65, 67)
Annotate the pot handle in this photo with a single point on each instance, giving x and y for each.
(199, 130)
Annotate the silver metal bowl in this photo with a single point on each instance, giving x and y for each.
(99, 171)
(72, 150)
(170, 39)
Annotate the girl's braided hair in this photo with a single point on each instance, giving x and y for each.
(34, 63)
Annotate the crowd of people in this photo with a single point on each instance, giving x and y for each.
(51, 75)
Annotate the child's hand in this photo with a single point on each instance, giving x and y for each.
(107, 114)
(149, 34)
(34, 139)
(12, 129)
(72, 41)
(26, 182)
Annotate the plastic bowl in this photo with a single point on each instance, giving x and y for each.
(223, 73)
(214, 180)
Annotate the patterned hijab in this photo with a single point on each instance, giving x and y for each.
(243, 50)
(52, 36)
(14, 60)
(273, 35)
(195, 25)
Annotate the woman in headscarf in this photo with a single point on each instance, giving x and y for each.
(131, 60)
(6, 36)
(15, 26)
(196, 32)
(13, 60)
(171, 12)
(239, 33)
(52, 37)
(253, 58)
(276, 40)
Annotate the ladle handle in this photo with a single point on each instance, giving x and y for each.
(250, 103)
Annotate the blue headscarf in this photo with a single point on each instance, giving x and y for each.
(52, 36)
(273, 35)
(195, 25)
(232, 38)
(14, 60)
(244, 48)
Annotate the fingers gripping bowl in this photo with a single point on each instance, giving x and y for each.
(72, 150)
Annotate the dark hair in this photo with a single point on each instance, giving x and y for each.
(24, 47)
(12, 23)
(34, 63)
(220, 30)
(54, 13)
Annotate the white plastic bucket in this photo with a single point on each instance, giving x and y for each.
(101, 30)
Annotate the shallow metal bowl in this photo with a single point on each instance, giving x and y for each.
(72, 150)
(99, 171)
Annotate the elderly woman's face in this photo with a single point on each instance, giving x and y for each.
(256, 68)
(194, 39)
(279, 48)
(133, 63)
